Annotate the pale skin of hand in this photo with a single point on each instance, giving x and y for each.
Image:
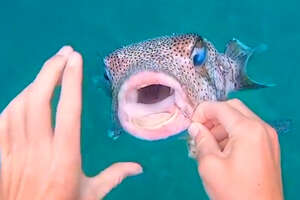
(39, 161)
(238, 154)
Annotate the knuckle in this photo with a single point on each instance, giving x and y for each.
(241, 124)
(271, 130)
(273, 133)
(258, 132)
(223, 105)
(236, 101)
(258, 127)
(118, 180)
(242, 121)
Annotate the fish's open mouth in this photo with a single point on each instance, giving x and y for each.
(154, 93)
(153, 105)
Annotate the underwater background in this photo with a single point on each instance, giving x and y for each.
(32, 30)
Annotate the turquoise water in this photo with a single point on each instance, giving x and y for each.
(31, 31)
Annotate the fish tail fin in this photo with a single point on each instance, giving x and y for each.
(240, 53)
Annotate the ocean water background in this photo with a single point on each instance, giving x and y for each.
(32, 30)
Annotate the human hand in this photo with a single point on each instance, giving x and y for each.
(42, 162)
(238, 154)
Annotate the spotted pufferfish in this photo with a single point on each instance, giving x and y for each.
(157, 84)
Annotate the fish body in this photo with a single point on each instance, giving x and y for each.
(157, 84)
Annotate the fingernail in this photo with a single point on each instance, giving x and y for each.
(194, 129)
(65, 51)
(139, 171)
(74, 60)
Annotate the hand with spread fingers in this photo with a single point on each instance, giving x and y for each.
(39, 161)
(238, 154)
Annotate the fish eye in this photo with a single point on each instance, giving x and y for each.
(199, 57)
(199, 54)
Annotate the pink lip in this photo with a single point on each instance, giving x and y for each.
(157, 118)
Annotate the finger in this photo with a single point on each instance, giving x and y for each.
(68, 115)
(3, 127)
(227, 116)
(13, 116)
(4, 137)
(5, 151)
(273, 135)
(12, 142)
(223, 144)
(5, 173)
(110, 178)
(209, 124)
(40, 94)
(241, 107)
(16, 121)
(219, 133)
(205, 142)
(237, 104)
(50, 74)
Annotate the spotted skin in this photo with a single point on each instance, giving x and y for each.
(172, 55)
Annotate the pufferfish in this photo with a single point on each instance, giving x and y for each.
(157, 84)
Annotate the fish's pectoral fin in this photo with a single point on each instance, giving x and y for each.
(240, 53)
(102, 85)
(115, 130)
(114, 134)
(246, 83)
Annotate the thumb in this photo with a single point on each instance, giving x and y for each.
(205, 142)
(109, 178)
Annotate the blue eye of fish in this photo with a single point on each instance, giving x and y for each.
(199, 56)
